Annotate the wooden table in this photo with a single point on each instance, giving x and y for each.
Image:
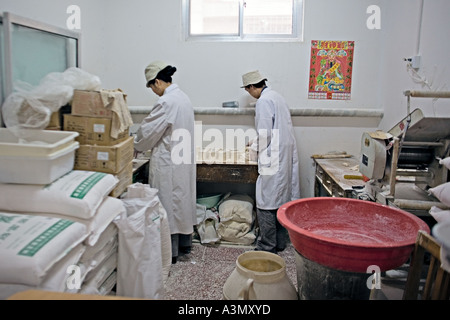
(337, 177)
(50, 295)
(227, 173)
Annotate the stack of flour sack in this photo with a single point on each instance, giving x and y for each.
(57, 225)
(60, 236)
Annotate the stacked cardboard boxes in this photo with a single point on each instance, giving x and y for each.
(103, 147)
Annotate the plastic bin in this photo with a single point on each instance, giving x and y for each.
(209, 200)
(340, 242)
(39, 157)
(350, 234)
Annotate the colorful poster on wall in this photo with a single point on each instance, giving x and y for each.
(331, 66)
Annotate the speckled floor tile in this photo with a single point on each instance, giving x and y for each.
(202, 274)
(223, 254)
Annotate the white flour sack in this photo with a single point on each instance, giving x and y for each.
(77, 194)
(445, 162)
(110, 209)
(442, 192)
(31, 245)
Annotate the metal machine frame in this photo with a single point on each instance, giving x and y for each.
(410, 166)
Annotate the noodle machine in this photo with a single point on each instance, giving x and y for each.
(403, 163)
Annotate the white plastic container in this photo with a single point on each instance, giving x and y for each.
(39, 157)
(259, 275)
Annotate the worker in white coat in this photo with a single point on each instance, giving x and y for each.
(276, 151)
(168, 132)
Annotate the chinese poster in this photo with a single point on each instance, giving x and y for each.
(331, 66)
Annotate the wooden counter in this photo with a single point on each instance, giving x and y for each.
(227, 173)
(337, 177)
(50, 295)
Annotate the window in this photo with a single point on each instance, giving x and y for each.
(30, 49)
(243, 19)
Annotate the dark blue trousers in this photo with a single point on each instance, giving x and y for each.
(272, 235)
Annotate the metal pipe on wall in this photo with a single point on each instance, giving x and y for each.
(427, 94)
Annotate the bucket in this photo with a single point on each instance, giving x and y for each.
(259, 275)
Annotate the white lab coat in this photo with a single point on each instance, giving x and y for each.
(278, 180)
(176, 182)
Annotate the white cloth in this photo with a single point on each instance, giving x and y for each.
(115, 100)
(278, 180)
(174, 176)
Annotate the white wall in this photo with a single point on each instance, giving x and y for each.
(119, 38)
(402, 40)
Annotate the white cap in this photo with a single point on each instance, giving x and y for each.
(252, 77)
(152, 70)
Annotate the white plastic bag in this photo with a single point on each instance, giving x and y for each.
(30, 107)
(139, 263)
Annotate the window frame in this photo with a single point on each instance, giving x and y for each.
(8, 20)
(296, 36)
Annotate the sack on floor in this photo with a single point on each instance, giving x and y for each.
(139, 263)
(206, 225)
(237, 207)
(237, 219)
(140, 190)
(236, 232)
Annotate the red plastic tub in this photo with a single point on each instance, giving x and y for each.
(349, 234)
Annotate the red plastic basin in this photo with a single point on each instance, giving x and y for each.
(350, 234)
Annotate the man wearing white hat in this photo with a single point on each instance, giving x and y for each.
(276, 148)
(172, 115)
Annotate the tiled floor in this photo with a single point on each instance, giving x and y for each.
(201, 274)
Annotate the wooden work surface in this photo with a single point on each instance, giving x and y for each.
(228, 173)
(50, 295)
(331, 174)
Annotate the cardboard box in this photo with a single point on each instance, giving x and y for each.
(93, 130)
(125, 179)
(108, 159)
(90, 104)
(55, 122)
